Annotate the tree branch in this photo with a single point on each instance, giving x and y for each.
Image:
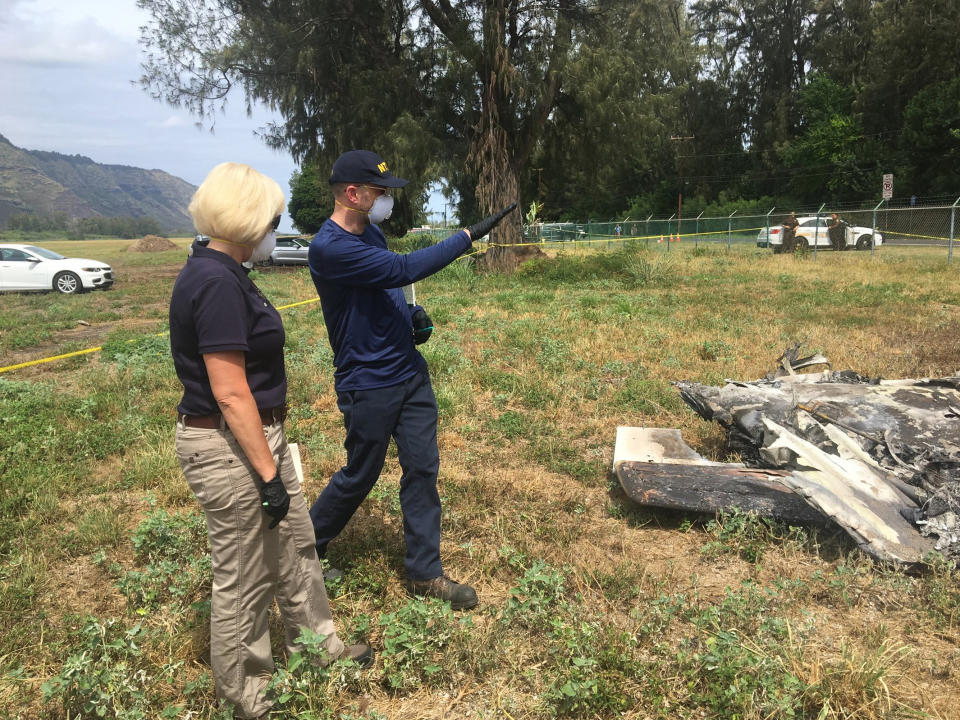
(453, 28)
(537, 119)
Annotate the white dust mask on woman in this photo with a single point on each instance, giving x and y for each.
(262, 251)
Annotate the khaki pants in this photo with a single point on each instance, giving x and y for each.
(252, 565)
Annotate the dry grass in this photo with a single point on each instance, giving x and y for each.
(532, 375)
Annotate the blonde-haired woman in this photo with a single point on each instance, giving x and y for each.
(227, 345)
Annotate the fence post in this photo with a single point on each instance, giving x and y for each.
(730, 227)
(873, 230)
(768, 224)
(647, 233)
(816, 231)
(669, 220)
(953, 212)
(696, 239)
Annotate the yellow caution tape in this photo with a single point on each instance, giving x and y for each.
(77, 353)
(50, 359)
(302, 302)
(560, 243)
(897, 233)
(607, 238)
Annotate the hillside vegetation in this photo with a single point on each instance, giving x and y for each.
(49, 184)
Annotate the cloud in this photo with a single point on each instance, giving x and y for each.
(30, 36)
(174, 121)
(68, 74)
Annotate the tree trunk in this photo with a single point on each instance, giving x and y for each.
(490, 154)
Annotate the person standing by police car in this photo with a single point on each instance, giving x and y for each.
(836, 231)
(382, 381)
(227, 344)
(789, 236)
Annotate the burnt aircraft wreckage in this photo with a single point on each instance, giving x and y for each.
(881, 458)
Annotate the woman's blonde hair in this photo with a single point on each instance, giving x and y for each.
(236, 203)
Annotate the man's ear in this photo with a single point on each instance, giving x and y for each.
(351, 192)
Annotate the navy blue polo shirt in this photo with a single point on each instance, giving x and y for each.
(360, 286)
(216, 307)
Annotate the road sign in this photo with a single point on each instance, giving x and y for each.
(887, 186)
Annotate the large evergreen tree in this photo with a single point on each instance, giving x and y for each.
(428, 82)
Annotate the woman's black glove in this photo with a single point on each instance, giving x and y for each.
(488, 223)
(422, 324)
(274, 499)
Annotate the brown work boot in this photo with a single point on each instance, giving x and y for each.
(361, 654)
(460, 597)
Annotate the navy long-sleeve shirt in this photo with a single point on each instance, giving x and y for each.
(360, 285)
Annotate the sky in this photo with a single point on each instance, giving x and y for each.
(68, 74)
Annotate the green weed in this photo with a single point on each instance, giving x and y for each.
(109, 675)
(415, 638)
(171, 551)
(747, 535)
(127, 348)
(738, 664)
(592, 670)
(306, 687)
(534, 600)
(941, 592)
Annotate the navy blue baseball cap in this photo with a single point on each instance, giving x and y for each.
(364, 167)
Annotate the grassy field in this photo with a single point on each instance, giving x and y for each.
(590, 607)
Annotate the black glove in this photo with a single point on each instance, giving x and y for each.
(488, 223)
(422, 324)
(274, 499)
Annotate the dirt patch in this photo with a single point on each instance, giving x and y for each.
(152, 243)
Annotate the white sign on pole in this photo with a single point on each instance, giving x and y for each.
(887, 186)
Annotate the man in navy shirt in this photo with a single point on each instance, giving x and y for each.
(382, 382)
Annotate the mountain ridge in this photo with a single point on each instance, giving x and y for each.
(43, 182)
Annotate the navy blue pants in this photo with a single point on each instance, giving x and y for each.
(408, 413)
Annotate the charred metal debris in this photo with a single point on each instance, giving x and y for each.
(879, 457)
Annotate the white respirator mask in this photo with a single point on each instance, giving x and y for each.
(382, 209)
(261, 252)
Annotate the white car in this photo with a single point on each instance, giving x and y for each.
(28, 267)
(809, 233)
(290, 251)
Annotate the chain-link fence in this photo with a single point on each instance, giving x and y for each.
(864, 229)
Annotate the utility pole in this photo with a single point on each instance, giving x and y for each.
(678, 138)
